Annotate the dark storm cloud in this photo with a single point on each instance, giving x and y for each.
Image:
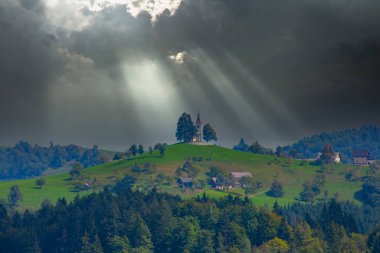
(28, 61)
(318, 57)
(298, 66)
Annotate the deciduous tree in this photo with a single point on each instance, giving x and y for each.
(185, 128)
(209, 133)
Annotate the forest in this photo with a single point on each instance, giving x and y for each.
(24, 160)
(343, 141)
(132, 221)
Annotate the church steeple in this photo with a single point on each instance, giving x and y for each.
(198, 119)
(198, 125)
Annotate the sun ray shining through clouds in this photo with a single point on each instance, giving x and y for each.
(231, 95)
(154, 96)
(100, 71)
(272, 100)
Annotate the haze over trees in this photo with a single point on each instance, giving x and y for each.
(25, 160)
(344, 141)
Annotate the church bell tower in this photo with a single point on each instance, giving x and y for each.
(198, 125)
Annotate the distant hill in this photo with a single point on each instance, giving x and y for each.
(344, 141)
(24, 160)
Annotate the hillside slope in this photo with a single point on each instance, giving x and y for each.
(291, 173)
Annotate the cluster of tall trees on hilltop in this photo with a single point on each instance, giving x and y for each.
(25, 160)
(135, 150)
(186, 130)
(127, 221)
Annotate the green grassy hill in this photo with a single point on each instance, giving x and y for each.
(291, 173)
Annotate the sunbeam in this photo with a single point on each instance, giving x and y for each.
(231, 94)
(153, 93)
(257, 86)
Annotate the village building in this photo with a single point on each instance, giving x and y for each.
(198, 134)
(361, 157)
(237, 176)
(336, 157)
(185, 182)
(213, 182)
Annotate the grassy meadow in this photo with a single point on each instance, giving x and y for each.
(291, 173)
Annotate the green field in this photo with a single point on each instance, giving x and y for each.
(291, 173)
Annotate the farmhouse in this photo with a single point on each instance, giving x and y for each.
(361, 157)
(185, 182)
(213, 182)
(236, 176)
(336, 157)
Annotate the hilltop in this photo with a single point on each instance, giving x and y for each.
(159, 171)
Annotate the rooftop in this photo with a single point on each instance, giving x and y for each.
(360, 153)
(186, 179)
(240, 174)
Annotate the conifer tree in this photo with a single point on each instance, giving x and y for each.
(142, 238)
(14, 195)
(205, 243)
(97, 245)
(86, 245)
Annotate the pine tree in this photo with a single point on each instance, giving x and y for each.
(86, 245)
(96, 245)
(14, 195)
(142, 238)
(205, 243)
(117, 244)
(285, 231)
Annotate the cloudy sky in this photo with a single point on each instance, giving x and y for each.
(116, 72)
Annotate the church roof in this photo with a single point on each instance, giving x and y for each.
(360, 153)
(198, 119)
(185, 179)
(238, 175)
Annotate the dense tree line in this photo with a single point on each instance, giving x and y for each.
(25, 160)
(255, 148)
(344, 141)
(370, 192)
(127, 221)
